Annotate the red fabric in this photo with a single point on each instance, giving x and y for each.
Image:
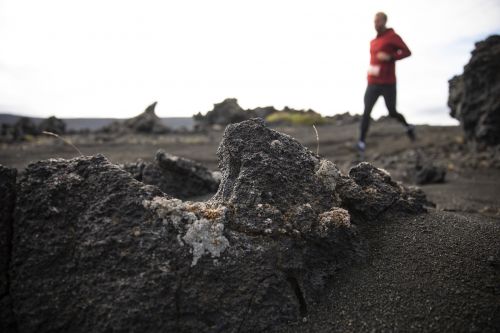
(384, 72)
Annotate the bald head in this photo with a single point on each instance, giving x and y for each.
(380, 22)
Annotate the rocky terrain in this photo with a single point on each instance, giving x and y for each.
(285, 227)
(89, 242)
(253, 228)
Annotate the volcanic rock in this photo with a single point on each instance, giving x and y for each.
(96, 250)
(147, 122)
(176, 176)
(222, 114)
(266, 173)
(473, 96)
(369, 192)
(7, 202)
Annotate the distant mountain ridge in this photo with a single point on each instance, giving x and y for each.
(96, 123)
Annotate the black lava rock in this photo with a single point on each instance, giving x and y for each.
(369, 192)
(7, 202)
(95, 250)
(474, 95)
(176, 176)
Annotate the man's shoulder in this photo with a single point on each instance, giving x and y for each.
(391, 32)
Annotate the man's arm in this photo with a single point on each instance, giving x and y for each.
(402, 51)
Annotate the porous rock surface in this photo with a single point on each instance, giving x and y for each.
(7, 202)
(96, 250)
(176, 176)
(474, 95)
(369, 192)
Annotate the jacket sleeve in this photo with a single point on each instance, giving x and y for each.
(401, 50)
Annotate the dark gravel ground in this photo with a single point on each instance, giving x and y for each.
(436, 272)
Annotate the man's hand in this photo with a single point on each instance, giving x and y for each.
(382, 56)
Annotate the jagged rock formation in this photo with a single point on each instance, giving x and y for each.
(147, 122)
(226, 112)
(230, 112)
(96, 250)
(473, 96)
(176, 176)
(7, 202)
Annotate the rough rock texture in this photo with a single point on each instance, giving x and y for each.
(269, 175)
(176, 176)
(369, 192)
(96, 250)
(7, 202)
(473, 96)
(147, 122)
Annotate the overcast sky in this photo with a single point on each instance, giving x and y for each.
(112, 58)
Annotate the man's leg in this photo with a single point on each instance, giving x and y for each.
(371, 95)
(389, 93)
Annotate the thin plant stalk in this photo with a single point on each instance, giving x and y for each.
(317, 140)
(63, 140)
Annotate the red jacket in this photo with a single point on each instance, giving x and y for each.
(384, 72)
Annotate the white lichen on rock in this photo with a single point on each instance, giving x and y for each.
(328, 173)
(170, 210)
(202, 223)
(206, 236)
(335, 218)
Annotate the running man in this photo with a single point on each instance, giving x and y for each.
(385, 49)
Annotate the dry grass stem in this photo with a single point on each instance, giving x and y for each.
(64, 140)
(317, 140)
